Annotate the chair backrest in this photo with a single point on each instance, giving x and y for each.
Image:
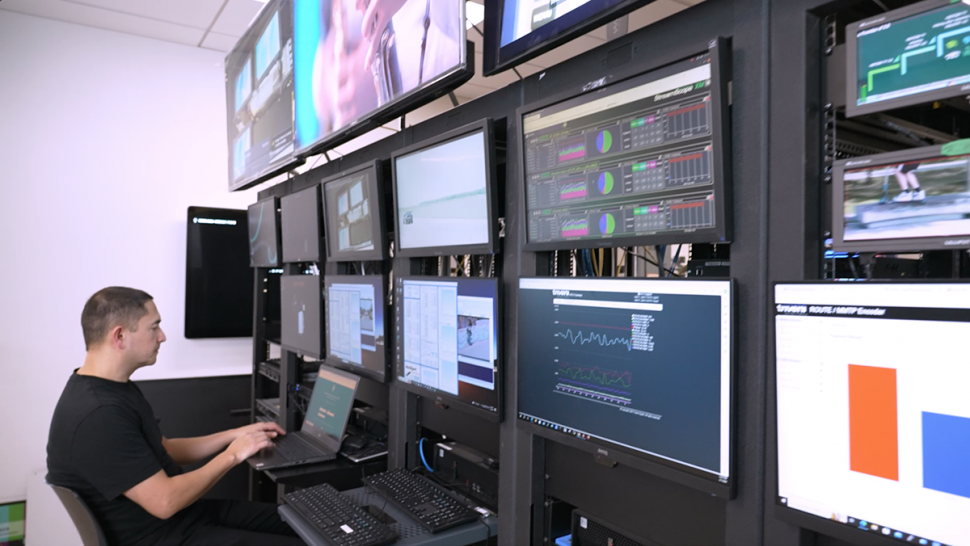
(87, 526)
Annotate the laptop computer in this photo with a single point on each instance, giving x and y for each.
(323, 428)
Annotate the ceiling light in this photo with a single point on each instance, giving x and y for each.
(474, 14)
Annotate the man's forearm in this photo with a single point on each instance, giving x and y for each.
(192, 450)
(185, 489)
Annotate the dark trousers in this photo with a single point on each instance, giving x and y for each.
(235, 523)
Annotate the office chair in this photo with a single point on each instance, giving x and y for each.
(87, 526)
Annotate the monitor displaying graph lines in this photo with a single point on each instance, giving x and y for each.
(872, 406)
(631, 364)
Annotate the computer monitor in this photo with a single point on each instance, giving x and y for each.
(916, 54)
(519, 30)
(448, 346)
(912, 200)
(328, 410)
(264, 235)
(301, 310)
(873, 413)
(349, 81)
(640, 162)
(354, 205)
(300, 215)
(356, 324)
(259, 98)
(444, 194)
(633, 366)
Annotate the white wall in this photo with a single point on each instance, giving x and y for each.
(105, 139)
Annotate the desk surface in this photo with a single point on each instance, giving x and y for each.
(411, 533)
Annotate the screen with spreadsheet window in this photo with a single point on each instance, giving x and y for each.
(355, 324)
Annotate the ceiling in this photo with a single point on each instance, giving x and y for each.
(218, 24)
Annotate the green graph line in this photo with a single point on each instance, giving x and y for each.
(905, 56)
(577, 373)
(880, 70)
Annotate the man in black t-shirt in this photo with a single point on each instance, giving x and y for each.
(106, 445)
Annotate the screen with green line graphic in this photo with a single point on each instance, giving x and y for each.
(264, 237)
(637, 159)
(911, 56)
(640, 364)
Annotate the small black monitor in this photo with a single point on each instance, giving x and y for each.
(444, 194)
(357, 324)
(873, 427)
(448, 348)
(913, 55)
(218, 280)
(300, 216)
(264, 234)
(636, 366)
(301, 310)
(644, 161)
(911, 200)
(354, 204)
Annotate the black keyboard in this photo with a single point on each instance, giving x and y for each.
(338, 519)
(422, 499)
(295, 449)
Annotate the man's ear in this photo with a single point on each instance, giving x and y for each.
(117, 338)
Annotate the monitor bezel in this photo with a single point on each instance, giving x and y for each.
(885, 245)
(783, 511)
(322, 333)
(545, 38)
(491, 190)
(282, 165)
(645, 462)
(279, 235)
(415, 98)
(380, 247)
(316, 199)
(445, 399)
(336, 362)
(719, 52)
(852, 109)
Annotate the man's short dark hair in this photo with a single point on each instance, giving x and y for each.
(110, 307)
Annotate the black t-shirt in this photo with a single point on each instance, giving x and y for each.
(104, 440)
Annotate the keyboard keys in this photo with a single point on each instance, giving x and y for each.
(338, 519)
(422, 499)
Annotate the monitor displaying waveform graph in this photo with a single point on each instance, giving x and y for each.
(572, 149)
(576, 227)
(605, 361)
(572, 189)
(874, 427)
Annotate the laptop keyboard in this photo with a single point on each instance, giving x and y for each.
(295, 449)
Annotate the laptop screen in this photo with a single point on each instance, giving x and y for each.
(330, 405)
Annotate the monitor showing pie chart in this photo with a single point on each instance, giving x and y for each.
(607, 224)
(604, 141)
(605, 183)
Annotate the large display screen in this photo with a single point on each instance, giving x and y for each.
(259, 97)
(518, 30)
(912, 200)
(873, 412)
(301, 304)
(640, 365)
(442, 193)
(448, 346)
(356, 331)
(264, 235)
(353, 205)
(300, 216)
(916, 54)
(354, 59)
(636, 163)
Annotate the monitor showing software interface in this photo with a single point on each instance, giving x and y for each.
(449, 338)
(300, 304)
(442, 194)
(355, 323)
(353, 214)
(634, 160)
(905, 57)
(330, 405)
(873, 412)
(643, 365)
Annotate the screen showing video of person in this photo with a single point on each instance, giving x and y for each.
(353, 57)
(912, 199)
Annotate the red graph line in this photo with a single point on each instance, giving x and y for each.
(685, 110)
(596, 326)
(686, 157)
